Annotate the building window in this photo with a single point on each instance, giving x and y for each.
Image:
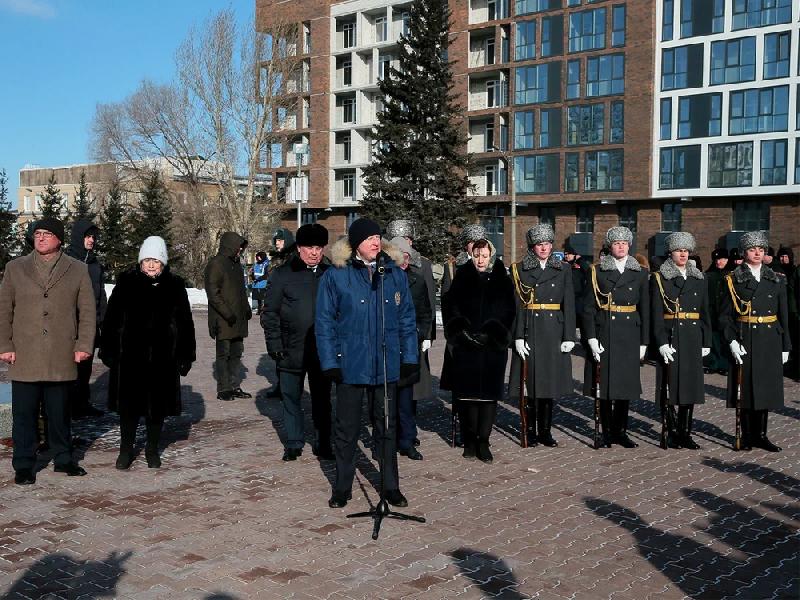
(488, 137)
(526, 7)
(797, 161)
(679, 168)
(603, 171)
(495, 93)
(730, 165)
(347, 72)
(668, 18)
(525, 47)
(671, 216)
(348, 186)
(628, 217)
(573, 2)
(537, 174)
(348, 35)
(605, 75)
(665, 128)
(351, 217)
(617, 133)
(552, 36)
(490, 173)
(573, 79)
(750, 215)
(524, 130)
(309, 217)
(759, 110)
(776, 54)
(618, 26)
(702, 17)
(547, 216)
(733, 61)
(700, 116)
(348, 109)
(571, 172)
(491, 217)
(682, 67)
(405, 19)
(384, 66)
(584, 219)
(773, 162)
(489, 51)
(539, 83)
(381, 29)
(585, 124)
(587, 30)
(345, 147)
(758, 13)
(550, 128)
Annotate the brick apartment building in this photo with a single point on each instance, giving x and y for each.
(649, 113)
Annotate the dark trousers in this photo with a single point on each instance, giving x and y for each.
(229, 363)
(477, 419)
(127, 430)
(25, 400)
(291, 387)
(347, 424)
(406, 417)
(80, 394)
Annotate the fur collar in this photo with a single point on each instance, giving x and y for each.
(742, 273)
(531, 261)
(342, 253)
(607, 263)
(669, 270)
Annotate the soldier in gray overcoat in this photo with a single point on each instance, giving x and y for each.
(682, 332)
(755, 325)
(616, 321)
(544, 331)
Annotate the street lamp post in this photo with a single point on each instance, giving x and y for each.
(300, 150)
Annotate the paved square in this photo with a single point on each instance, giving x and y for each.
(226, 518)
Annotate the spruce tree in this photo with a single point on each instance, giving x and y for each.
(421, 167)
(8, 240)
(153, 216)
(52, 202)
(115, 247)
(84, 205)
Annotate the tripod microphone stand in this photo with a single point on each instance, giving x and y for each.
(382, 510)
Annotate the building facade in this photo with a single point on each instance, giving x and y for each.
(563, 102)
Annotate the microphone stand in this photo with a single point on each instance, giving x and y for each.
(382, 510)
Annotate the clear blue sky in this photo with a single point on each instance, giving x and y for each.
(60, 58)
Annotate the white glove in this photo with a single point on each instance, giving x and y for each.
(426, 345)
(567, 347)
(642, 352)
(522, 348)
(785, 357)
(738, 351)
(596, 348)
(706, 352)
(667, 352)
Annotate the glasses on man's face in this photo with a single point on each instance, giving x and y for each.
(43, 234)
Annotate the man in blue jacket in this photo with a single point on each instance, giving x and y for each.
(352, 323)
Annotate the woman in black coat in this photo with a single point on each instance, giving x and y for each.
(479, 309)
(148, 343)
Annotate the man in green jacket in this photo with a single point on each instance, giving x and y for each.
(228, 313)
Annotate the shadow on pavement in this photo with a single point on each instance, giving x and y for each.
(64, 576)
(87, 430)
(177, 429)
(489, 572)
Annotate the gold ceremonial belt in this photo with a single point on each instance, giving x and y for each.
(620, 308)
(535, 306)
(767, 319)
(682, 315)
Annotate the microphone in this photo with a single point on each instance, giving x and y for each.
(380, 267)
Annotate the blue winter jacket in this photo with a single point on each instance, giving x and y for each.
(348, 319)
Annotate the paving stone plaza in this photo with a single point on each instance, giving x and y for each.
(225, 518)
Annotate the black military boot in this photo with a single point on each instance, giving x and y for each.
(482, 451)
(530, 410)
(760, 434)
(747, 434)
(685, 427)
(545, 414)
(673, 428)
(605, 422)
(620, 422)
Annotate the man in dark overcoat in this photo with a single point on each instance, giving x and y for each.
(47, 327)
(716, 361)
(682, 331)
(544, 331)
(616, 321)
(755, 319)
(288, 322)
(229, 311)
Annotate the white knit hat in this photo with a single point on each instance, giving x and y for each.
(154, 247)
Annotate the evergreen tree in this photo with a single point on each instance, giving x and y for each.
(52, 202)
(153, 216)
(115, 248)
(84, 205)
(421, 167)
(8, 240)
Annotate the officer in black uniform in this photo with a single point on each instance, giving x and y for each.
(755, 320)
(682, 332)
(616, 321)
(544, 332)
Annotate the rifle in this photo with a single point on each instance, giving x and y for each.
(663, 402)
(596, 393)
(737, 388)
(523, 404)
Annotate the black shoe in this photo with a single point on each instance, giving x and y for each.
(533, 439)
(416, 442)
(469, 451)
(324, 452)
(688, 443)
(765, 444)
(71, 469)
(292, 454)
(24, 477)
(623, 440)
(225, 396)
(395, 498)
(153, 459)
(483, 453)
(547, 440)
(240, 393)
(124, 460)
(339, 499)
(411, 453)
